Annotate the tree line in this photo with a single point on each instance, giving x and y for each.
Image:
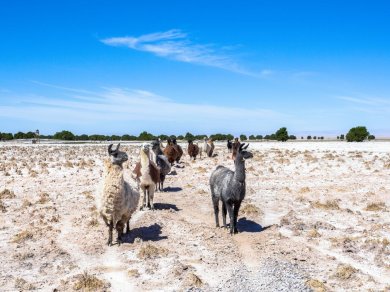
(357, 134)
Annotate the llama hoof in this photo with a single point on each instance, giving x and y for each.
(235, 231)
(109, 243)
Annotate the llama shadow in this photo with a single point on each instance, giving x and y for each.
(179, 166)
(149, 233)
(172, 189)
(165, 206)
(245, 225)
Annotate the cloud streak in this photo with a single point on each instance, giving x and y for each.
(175, 45)
(132, 110)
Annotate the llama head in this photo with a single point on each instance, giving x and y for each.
(116, 156)
(145, 148)
(155, 144)
(174, 141)
(190, 142)
(242, 153)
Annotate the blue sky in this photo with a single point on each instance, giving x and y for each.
(116, 67)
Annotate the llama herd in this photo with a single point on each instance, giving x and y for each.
(118, 200)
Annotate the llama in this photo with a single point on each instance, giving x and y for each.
(205, 147)
(170, 152)
(193, 149)
(148, 176)
(118, 200)
(229, 146)
(162, 162)
(178, 149)
(210, 148)
(229, 187)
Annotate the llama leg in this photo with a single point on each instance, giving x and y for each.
(216, 210)
(236, 209)
(119, 228)
(110, 228)
(144, 198)
(128, 226)
(229, 207)
(224, 212)
(151, 197)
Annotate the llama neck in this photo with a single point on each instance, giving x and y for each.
(239, 173)
(114, 173)
(144, 161)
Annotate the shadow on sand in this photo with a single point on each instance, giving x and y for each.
(149, 233)
(165, 206)
(245, 225)
(172, 189)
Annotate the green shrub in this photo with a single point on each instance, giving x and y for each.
(357, 134)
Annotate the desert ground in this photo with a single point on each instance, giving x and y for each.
(316, 217)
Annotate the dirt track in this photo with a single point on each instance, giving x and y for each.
(314, 217)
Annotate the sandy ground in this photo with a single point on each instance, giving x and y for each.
(315, 217)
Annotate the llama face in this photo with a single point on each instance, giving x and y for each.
(117, 157)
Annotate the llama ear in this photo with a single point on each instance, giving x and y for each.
(245, 146)
(109, 149)
(241, 145)
(117, 147)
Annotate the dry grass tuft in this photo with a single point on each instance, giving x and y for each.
(133, 273)
(22, 285)
(313, 233)
(3, 208)
(193, 280)
(316, 285)
(150, 251)
(22, 236)
(43, 198)
(328, 205)
(202, 169)
(304, 190)
(7, 194)
(380, 206)
(93, 222)
(87, 282)
(345, 272)
(251, 210)
(88, 195)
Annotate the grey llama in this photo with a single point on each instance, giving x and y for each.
(162, 162)
(229, 187)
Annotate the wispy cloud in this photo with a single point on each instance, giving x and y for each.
(124, 110)
(367, 101)
(176, 45)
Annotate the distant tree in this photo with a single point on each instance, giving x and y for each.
(243, 137)
(6, 136)
(252, 137)
(259, 137)
(322, 137)
(180, 137)
(272, 137)
(31, 135)
(342, 137)
(96, 137)
(338, 137)
(19, 135)
(371, 137)
(82, 137)
(301, 137)
(309, 137)
(357, 134)
(145, 136)
(63, 135)
(173, 137)
(115, 138)
(188, 136)
(267, 137)
(281, 134)
(292, 137)
(229, 137)
(163, 137)
(200, 137)
(315, 137)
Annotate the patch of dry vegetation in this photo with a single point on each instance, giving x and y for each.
(328, 205)
(193, 280)
(22, 285)
(344, 272)
(250, 210)
(133, 273)
(150, 251)
(86, 282)
(379, 206)
(7, 194)
(22, 236)
(316, 285)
